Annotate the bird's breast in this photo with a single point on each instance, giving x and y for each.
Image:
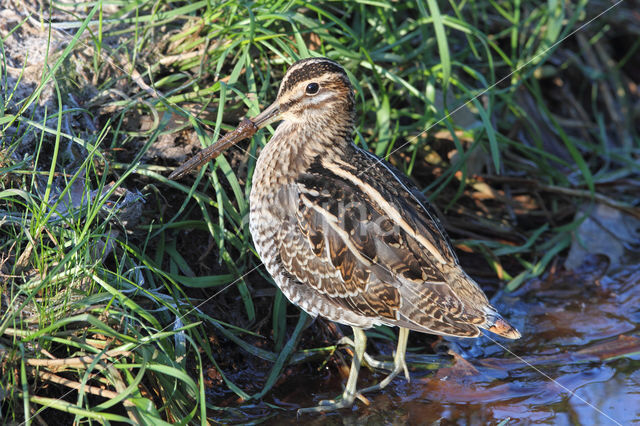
(270, 201)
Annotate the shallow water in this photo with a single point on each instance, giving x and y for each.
(578, 362)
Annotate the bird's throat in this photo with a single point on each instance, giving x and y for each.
(293, 147)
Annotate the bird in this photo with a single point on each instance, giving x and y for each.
(343, 233)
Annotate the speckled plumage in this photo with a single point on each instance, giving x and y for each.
(344, 234)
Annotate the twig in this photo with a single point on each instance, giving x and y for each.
(78, 362)
(94, 390)
(581, 193)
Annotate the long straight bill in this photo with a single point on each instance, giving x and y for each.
(245, 130)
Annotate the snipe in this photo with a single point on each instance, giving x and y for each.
(343, 233)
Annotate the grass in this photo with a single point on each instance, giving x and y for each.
(125, 295)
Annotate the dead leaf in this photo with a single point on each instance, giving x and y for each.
(607, 231)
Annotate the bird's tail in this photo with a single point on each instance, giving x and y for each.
(496, 324)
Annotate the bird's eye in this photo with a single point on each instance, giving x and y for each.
(312, 88)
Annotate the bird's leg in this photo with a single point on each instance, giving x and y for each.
(368, 359)
(350, 392)
(399, 363)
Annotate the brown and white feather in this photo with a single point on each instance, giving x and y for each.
(343, 233)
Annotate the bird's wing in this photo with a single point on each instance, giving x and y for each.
(375, 249)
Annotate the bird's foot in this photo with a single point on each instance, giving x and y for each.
(350, 393)
(348, 397)
(323, 407)
(345, 401)
(398, 367)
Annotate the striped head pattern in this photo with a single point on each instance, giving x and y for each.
(317, 91)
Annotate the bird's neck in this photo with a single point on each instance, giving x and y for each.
(294, 146)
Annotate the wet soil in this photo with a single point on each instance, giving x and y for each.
(578, 362)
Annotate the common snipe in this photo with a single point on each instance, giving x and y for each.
(343, 233)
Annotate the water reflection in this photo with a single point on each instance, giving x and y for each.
(578, 362)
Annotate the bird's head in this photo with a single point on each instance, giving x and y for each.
(314, 92)
(315, 96)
